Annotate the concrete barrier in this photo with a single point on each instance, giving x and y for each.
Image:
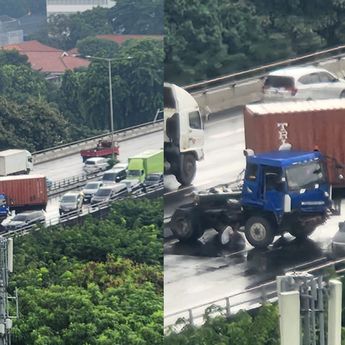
(63, 151)
(238, 93)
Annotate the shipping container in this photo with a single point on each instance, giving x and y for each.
(306, 125)
(25, 191)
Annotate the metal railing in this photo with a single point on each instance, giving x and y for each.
(73, 147)
(248, 74)
(77, 215)
(65, 184)
(237, 89)
(257, 296)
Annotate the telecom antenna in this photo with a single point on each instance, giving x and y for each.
(6, 266)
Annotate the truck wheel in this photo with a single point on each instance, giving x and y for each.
(259, 232)
(187, 170)
(185, 225)
(301, 232)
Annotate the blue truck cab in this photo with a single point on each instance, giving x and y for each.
(284, 191)
(4, 208)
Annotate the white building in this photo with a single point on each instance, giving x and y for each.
(73, 6)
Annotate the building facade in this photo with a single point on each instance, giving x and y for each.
(74, 6)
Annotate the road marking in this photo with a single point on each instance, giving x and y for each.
(226, 134)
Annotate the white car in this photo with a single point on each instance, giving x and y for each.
(95, 164)
(302, 83)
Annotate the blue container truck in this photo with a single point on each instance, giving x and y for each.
(282, 191)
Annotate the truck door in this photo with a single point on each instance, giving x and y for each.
(273, 190)
(193, 134)
(251, 192)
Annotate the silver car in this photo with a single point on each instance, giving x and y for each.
(71, 201)
(24, 219)
(95, 164)
(90, 189)
(106, 193)
(302, 83)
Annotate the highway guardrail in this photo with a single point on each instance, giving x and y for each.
(237, 89)
(64, 150)
(248, 299)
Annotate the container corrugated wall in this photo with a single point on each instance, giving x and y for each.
(305, 130)
(26, 191)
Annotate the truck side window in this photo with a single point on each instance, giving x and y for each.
(251, 172)
(273, 176)
(195, 120)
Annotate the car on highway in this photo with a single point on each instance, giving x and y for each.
(302, 83)
(23, 219)
(106, 193)
(96, 164)
(71, 201)
(90, 189)
(153, 179)
(116, 174)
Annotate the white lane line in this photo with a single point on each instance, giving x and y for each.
(226, 134)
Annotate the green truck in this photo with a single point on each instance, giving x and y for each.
(148, 162)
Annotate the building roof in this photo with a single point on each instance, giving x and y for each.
(48, 59)
(119, 39)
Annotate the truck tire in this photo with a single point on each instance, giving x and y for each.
(301, 232)
(187, 169)
(185, 225)
(259, 232)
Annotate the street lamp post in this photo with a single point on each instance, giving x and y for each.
(110, 100)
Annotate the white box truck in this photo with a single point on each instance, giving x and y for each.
(15, 162)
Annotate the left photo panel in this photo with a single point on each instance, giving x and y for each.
(81, 172)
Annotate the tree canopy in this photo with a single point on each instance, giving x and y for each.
(97, 283)
(205, 39)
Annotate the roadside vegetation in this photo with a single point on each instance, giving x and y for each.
(208, 38)
(263, 326)
(98, 283)
(36, 113)
(243, 329)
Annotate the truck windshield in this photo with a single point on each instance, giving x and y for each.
(133, 172)
(305, 175)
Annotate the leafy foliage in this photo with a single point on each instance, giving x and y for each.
(100, 283)
(207, 38)
(97, 47)
(141, 16)
(243, 329)
(19, 8)
(33, 125)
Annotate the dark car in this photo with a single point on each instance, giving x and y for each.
(24, 219)
(153, 179)
(114, 175)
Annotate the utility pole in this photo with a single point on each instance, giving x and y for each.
(6, 266)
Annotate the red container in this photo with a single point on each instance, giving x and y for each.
(25, 191)
(306, 125)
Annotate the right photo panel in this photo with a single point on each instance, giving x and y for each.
(254, 172)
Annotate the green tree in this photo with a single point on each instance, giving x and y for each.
(12, 57)
(97, 47)
(137, 17)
